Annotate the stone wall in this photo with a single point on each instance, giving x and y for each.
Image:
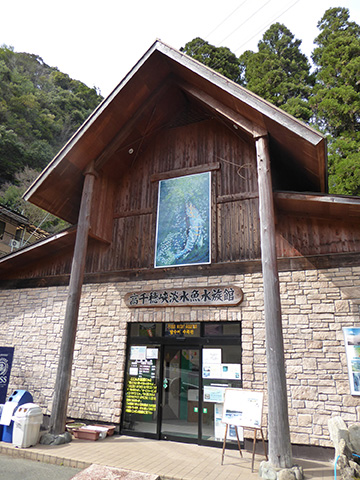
(316, 305)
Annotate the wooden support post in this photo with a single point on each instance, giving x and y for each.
(63, 377)
(278, 419)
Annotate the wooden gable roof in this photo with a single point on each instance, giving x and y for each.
(146, 100)
(168, 89)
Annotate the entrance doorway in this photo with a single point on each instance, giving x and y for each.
(180, 400)
(176, 376)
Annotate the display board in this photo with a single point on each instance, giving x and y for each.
(141, 396)
(6, 358)
(243, 408)
(352, 347)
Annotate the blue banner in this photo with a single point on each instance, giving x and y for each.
(6, 358)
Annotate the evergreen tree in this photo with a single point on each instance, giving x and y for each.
(279, 72)
(220, 59)
(336, 99)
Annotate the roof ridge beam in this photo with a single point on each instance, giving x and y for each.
(250, 128)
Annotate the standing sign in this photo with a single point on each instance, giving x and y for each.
(6, 358)
(243, 408)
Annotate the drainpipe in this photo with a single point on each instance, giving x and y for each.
(63, 377)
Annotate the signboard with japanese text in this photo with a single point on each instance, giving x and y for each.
(141, 388)
(210, 296)
(182, 330)
(243, 408)
(141, 395)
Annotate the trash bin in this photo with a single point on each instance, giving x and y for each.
(18, 397)
(27, 422)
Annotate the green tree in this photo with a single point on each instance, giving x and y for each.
(344, 164)
(12, 153)
(40, 108)
(336, 98)
(11, 196)
(220, 59)
(279, 72)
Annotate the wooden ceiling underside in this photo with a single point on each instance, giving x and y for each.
(321, 206)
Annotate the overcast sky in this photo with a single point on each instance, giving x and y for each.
(98, 42)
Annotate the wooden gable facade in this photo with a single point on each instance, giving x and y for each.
(173, 117)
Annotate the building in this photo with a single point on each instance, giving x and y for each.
(172, 305)
(16, 231)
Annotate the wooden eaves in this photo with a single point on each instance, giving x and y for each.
(317, 205)
(59, 186)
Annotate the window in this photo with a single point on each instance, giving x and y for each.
(18, 234)
(2, 229)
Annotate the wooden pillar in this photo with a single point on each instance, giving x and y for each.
(278, 419)
(63, 377)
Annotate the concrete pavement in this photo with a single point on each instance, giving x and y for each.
(169, 460)
(13, 468)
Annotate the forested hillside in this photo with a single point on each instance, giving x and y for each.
(40, 108)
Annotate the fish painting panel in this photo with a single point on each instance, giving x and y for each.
(183, 221)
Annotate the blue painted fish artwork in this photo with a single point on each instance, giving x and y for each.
(183, 221)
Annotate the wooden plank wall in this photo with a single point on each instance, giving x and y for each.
(126, 208)
(298, 235)
(235, 223)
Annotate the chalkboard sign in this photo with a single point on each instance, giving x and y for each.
(243, 408)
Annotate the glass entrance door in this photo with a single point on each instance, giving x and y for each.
(180, 398)
(175, 378)
(141, 397)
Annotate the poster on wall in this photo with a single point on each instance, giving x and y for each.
(224, 371)
(219, 426)
(214, 393)
(137, 352)
(212, 355)
(352, 347)
(141, 388)
(183, 221)
(6, 358)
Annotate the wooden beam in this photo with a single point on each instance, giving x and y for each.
(316, 198)
(236, 197)
(63, 377)
(278, 420)
(182, 172)
(250, 128)
(134, 213)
